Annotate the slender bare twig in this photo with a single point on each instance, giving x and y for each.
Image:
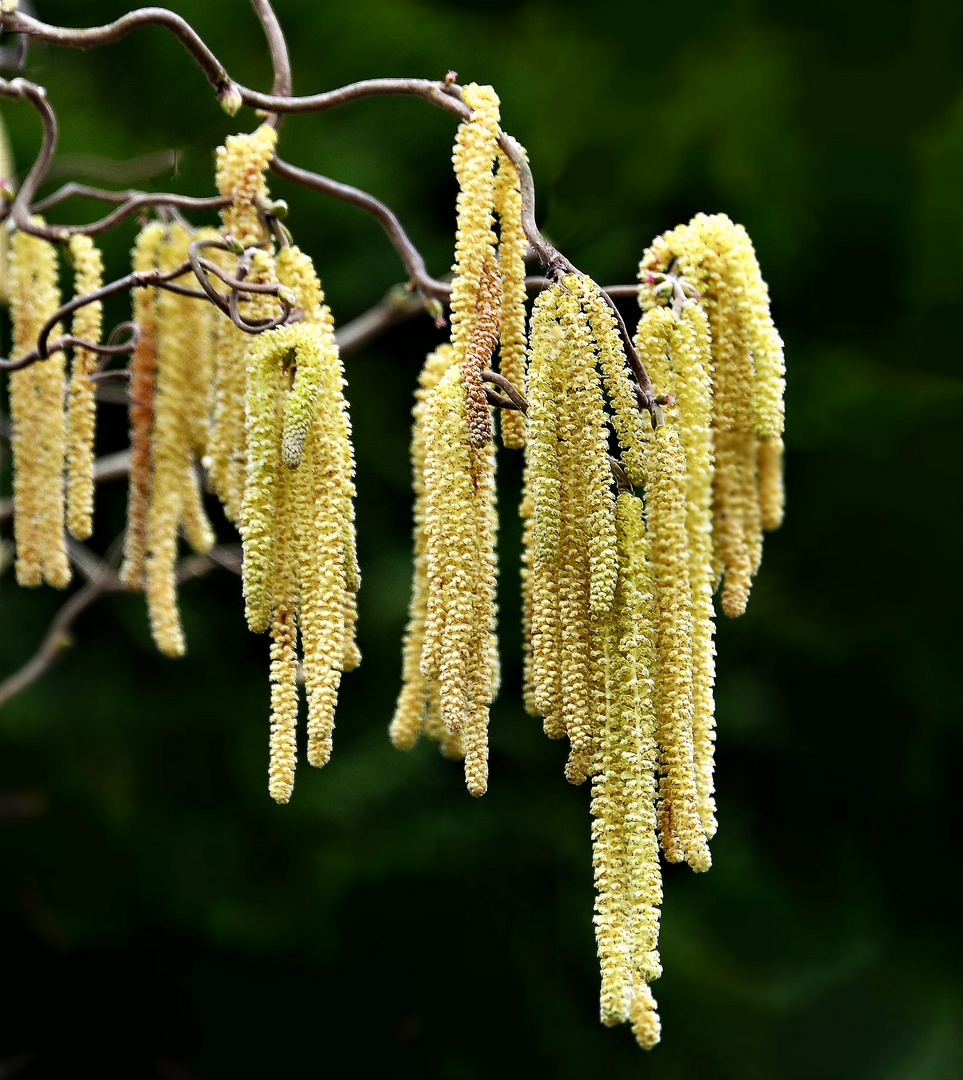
(137, 200)
(515, 399)
(135, 280)
(102, 580)
(57, 638)
(280, 59)
(397, 306)
(410, 256)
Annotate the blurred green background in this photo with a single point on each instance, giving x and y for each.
(161, 917)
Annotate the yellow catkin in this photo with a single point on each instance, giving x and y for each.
(451, 556)
(81, 405)
(320, 562)
(483, 669)
(543, 529)
(143, 371)
(459, 531)
(201, 373)
(241, 164)
(414, 700)
(528, 603)
(37, 414)
(625, 846)
(512, 245)
(691, 387)
(715, 257)
(473, 158)
(640, 761)
(283, 624)
(296, 271)
(680, 827)
(771, 493)
(226, 456)
(328, 569)
(590, 427)
(175, 497)
(646, 1026)
(576, 672)
(627, 419)
(267, 378)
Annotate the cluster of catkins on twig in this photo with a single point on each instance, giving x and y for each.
(631, 519)
(251, 385)
(636, 508)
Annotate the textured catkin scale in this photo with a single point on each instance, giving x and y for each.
(266, 380)
(690, 359)
(627, 419)
(512, 245)
(680, 827)
(241, 164)
(415, 699)
(81, 405)
(176, 501)
(37, 415)
(143, 377)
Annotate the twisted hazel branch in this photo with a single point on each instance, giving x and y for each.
(512, 396)
(411, 258)
(102, 580)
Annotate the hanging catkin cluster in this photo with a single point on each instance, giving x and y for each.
(617, 584)
(266, 414)
(635, 509)
(53, 445)
(451, 667)
(713, 259)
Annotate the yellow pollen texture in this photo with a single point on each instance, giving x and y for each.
(37, 415)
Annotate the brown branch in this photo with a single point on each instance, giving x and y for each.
(280, 59)
(409, 254)
(102, 581)
(517, 400)
(397, 306)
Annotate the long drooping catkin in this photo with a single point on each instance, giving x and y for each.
(81, 406)
(416, 699)
(680, 827)
(175, 497)
(37, 414)
(512, 245)
(143, 374)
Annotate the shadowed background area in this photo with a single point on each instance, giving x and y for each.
(161, 917)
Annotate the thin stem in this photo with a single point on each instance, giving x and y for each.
(135, 280)
(90, 37)
(409, 254)
(517, 400)
(280, 59)
(137, 199)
